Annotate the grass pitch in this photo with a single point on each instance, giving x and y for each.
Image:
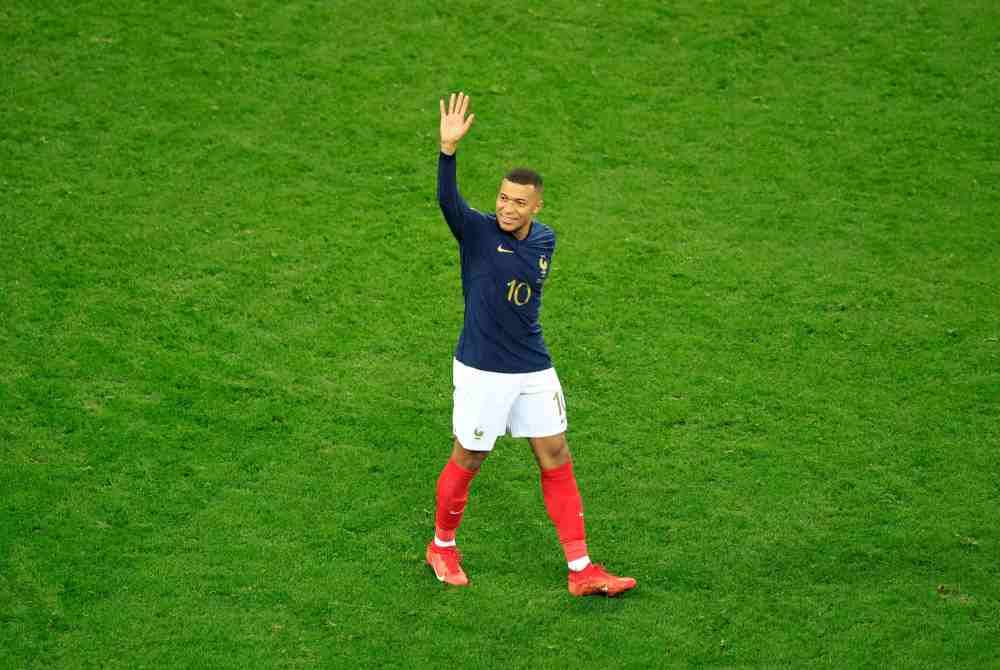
(228, 305)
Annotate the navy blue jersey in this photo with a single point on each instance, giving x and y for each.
(502, 280)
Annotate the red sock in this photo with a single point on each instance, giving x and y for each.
(562, 500)
(452, 494)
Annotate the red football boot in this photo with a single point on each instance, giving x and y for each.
(447, 564)
(594, 580)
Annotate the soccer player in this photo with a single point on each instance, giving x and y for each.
(503, 375)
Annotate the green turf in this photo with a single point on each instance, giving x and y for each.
(228, 305)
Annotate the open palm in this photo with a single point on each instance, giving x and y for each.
(454, 123)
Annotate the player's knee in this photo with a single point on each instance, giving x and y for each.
(470, 460)
(560, 451)
(551, 451)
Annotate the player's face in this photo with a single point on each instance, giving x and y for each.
(516, 205)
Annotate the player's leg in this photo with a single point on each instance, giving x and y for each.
(565, 508)
(481, 405)
(452, 492)
(562, 496)
(539, 414)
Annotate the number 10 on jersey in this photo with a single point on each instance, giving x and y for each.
(518, 292)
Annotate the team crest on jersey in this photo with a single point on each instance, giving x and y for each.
(543, 265)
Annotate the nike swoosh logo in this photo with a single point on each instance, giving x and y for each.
(502, 250)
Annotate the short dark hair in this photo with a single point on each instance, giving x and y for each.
(522, 175)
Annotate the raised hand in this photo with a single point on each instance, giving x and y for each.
(454, 124)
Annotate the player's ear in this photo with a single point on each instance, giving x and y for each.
(538, 207)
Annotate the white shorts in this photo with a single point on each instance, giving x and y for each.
(489, 404)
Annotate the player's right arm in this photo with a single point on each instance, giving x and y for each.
(454, 126)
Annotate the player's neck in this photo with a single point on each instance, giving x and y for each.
(522, 233)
